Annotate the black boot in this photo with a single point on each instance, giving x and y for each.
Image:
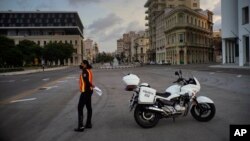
(88, 125)
(80, 125)
(79, 129)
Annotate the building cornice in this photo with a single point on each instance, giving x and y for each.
(47, 27)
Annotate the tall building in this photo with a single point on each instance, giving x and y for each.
(217, 45)
(179, 31)
(88, 50)
(43, 27)
(141, 47)
(134, 46)
(120, 46)
(129, 45)
(95, 52)
(235, 32)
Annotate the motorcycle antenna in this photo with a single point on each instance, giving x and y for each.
(180, 73)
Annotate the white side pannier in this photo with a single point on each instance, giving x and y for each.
(131, 81)
(146, 95)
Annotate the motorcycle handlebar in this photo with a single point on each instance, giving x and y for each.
(179, 80)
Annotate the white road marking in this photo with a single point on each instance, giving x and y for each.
(7, 81)
(70, 77)
(211, 73)
(48, 88)
(22, 100)
(239, 76)
(46, 79)
(25, 80)
(62, 81)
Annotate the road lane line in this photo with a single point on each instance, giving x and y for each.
(239, 76)
(7, 81)
(25, 80)
(46, 79)
(22, 100)
(28, 92)
(62, 81)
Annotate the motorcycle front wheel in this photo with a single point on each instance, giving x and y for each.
(145, 118)
(203, 111)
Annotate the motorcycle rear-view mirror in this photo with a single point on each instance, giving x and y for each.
(176, 73)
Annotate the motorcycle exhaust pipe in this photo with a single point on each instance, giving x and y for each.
(156, 109)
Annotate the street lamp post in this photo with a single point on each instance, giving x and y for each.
(136, 55)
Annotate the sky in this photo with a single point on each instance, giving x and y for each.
(105, 21)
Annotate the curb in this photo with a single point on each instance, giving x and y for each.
(118, 67)
(229, 67)
(31, 71)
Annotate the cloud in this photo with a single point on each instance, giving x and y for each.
(217, 15)
(217, 8)
(134, 26)
(104, 24)
(76, 2)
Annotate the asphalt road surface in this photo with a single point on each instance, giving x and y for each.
(43, 106)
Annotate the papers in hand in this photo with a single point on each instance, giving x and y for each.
(98, 90)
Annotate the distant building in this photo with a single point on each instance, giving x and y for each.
(120, 46)
(43, 27)
(95, 52)
(235, 32)
(88, 50)
(141, 47)
(133, 46)
(217, 46)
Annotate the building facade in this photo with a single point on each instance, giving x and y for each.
(188, 36)
(88, 50)
(154, 8)
(43, 27)
(235, 32)
(141, 47)
(217, 45)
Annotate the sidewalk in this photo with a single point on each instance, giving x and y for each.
(32, 71)
(231, 66)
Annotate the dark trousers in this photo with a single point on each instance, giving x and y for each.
(85, 99)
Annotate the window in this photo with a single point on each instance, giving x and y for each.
(44, 43)
(75, 42)
(171, 6)
(245, 15)
(181, 37)
(195, 5)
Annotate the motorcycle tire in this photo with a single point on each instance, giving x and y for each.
(145, 118)
(203, 111)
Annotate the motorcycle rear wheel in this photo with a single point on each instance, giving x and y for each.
(145, 118)
(203, 111)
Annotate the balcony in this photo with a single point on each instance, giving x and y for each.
(186, 26)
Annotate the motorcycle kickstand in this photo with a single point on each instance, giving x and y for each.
(173, 119)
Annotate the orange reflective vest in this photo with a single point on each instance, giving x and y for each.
(86, 80)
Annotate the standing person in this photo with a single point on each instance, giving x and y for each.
(86, 89)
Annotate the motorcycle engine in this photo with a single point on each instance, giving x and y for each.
(179, 108)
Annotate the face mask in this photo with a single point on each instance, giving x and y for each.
(80, 66)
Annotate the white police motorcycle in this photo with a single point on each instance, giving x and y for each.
(178, 99)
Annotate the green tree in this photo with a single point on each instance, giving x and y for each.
(103, 58)
(10, 55)
(30, 50)
(58, 51)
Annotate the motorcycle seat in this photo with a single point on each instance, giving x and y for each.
(165, 94)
